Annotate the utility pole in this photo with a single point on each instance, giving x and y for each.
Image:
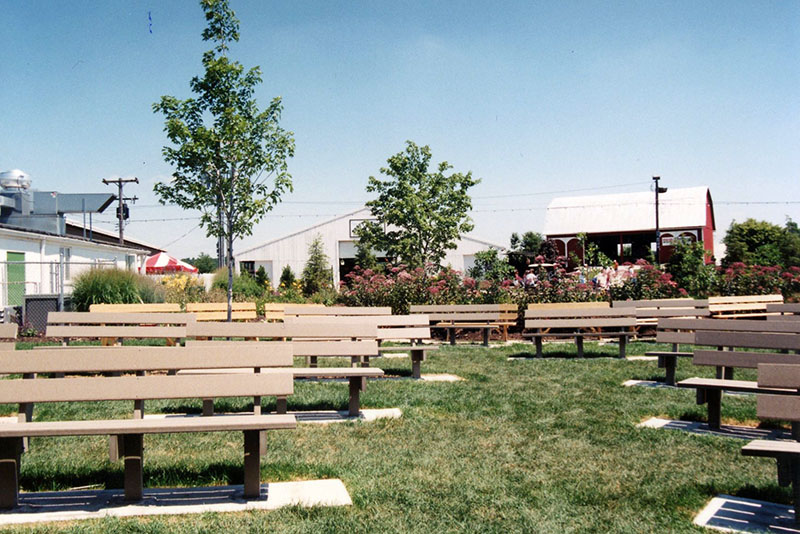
(120, 182)
(658, 229)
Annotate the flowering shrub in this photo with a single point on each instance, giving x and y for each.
(741, 279)
(646, 282)
(182, 288)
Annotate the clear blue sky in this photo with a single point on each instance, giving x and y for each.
(532, 97)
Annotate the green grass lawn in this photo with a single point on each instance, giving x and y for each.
(530, 445)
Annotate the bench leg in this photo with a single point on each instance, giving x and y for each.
(312, 361)
(25, 415)
(623, 340)
(354, 402)
(669, 363)
(252, 464)
(451, 334)
(714, 401)
(208, 407)
(538, 341)
(10, 452)
(134, 480)
(796, 430)
(579, 344)
(416, 363)
(281, 405)
(486, 337)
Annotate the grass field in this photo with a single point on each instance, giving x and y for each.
(529, 445)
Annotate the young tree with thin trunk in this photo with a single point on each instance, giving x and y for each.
(230, 158)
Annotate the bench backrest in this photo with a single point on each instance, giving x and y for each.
(742, 306)
(465, 313)
(218, 311)
(783, 312)
(781, 407)
(649, 311)
(292, 310)
(315, 330)
(744, 334)
(567, 305)
(8, 331)
(302, 347)
(416, 326)
(160, 307)
(274, 311)
(624, 318)
(117, 325)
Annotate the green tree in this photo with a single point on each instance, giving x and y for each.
(317, 271)
(262, 279)
(524, 249)
(689, 270)
(287, 277)
(490, 266)
(365, 258)
(762, 243)
(230, 158)
(420, 214)
(203, 262)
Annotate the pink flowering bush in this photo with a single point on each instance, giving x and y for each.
(646, 282)
(741, 279)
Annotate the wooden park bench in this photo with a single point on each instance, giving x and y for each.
(677, 332)
(742, 307)
(300, 310)
(762, 341)
(648, 312)
(112, 327)
(485, 317)
(274, 311)
(597, 322)
(414, 329)
(783, 312)
(783, 408)
(138, 389)
(311, 341)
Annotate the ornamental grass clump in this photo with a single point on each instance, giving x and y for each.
(111, 286)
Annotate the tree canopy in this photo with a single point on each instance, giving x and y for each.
(762, 243)
(230, 158)
(420, 214)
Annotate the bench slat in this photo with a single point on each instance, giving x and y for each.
(169, 424)
(782, 407)
(788, 341)
(300, 347)
(270, 382)
(580, 313)
(744, 360)
(282, 330)
(117, 331)
(83, 318)
(623, 322)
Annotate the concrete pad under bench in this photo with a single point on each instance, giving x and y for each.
(736, 514)
(726, 431)
(95, 504)
(442, 377)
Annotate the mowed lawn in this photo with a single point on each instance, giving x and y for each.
(528, 445)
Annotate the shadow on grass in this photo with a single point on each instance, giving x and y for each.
(224, 407)
(587, 355)
(770, 493)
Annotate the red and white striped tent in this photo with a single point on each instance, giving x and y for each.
(164, 263)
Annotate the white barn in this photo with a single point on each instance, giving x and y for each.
(339, 244)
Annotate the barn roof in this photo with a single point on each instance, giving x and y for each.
(628, 212)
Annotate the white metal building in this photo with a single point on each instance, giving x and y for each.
(339, 243)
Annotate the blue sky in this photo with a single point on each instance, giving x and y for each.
(538, 99)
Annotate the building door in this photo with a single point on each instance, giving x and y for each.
(15, 278)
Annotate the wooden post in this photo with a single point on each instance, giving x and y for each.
(579, 343)
(538, 341)
(714, 401)
(252, 464)
(416, 360)
(10, 452)
(355, 389)
(486, 337)
(134, 480)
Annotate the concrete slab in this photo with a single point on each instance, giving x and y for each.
(726, 431)
(441, 377)
(642, 358)
(316, 417)
(735, 514)
(92, 504)
(648, 384)
(395, 355)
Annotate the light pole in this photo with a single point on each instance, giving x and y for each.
(658, 230)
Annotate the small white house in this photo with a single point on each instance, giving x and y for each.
(339, 243)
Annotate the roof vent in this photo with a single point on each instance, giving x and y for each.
(14, 179)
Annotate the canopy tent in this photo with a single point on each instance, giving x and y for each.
(164, 263)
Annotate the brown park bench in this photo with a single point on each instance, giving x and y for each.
(783, 312)
(677, 332)
(414, 329)
(112, 327)
(26, 392)
(648, 312)
(600, 322)
(770, 340)
(485, 317)
(274, 311)
(312, 341)
(783, 408)
(742, 306)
